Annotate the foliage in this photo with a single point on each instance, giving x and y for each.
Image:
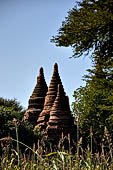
(59, 160)
(93, 104)
(88, 28)
(9, 109)
(11, 118)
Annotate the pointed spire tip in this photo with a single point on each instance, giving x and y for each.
(55, 66)
(41, 70)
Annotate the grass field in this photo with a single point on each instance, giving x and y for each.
(40, 159)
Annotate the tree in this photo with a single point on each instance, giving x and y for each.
(9, 109)
(88, 28)
(94, 104)
(11, 116)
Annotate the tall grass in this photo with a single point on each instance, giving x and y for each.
(39, 159)
(56, 158)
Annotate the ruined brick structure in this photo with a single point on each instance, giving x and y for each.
(49, 99)
(56, 118)
(50, 109)
(36, 101)
(60, 120)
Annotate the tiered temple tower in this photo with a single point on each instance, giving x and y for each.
(50, 98)
(36, 101)
(60, 120)
(50, 109)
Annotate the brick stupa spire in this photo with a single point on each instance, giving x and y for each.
(49, 99)
(36, 101)
(60, 120)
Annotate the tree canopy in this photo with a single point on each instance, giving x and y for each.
(93, 104)
(88, 28)
(9, 109)
(11, 115)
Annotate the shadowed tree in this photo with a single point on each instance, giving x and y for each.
(88, 29)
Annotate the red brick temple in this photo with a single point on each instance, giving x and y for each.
(49, 99)
(60, 120)
(36, 101)
(49, 109)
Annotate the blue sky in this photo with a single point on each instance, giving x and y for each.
(26, 27)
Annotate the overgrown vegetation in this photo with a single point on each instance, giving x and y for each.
(11, 117)
(93, 104)
(9, 109)
(42, 155)
(58, 160)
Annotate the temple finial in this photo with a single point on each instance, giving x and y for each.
(41, 71)
(55, 66)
